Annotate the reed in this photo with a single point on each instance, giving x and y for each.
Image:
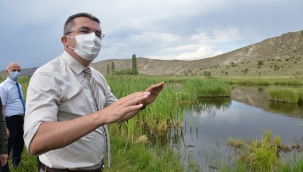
(164, 113)
(285, 94)
(235, 142)
(208, 88)
(294, 165)
(259, 155)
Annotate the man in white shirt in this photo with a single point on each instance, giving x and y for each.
(69, 103)
(13, 108)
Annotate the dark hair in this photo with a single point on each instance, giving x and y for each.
(70, 21)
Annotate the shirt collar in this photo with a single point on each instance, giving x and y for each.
(73, 63)
(11, 80)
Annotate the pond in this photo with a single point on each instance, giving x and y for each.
(246, 115)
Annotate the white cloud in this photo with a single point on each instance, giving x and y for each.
(201, 53)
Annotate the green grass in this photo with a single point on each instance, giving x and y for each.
(208, 88)
(29, 163)
(286, 94)
(139, 156)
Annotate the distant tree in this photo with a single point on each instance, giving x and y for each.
(108, 69)
(207, 74)
(113, 68)
(233, 64)
(260, 62)
(134, 65)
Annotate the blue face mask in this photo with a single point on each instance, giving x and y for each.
(14, 75)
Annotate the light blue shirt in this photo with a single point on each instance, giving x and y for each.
(10, 98)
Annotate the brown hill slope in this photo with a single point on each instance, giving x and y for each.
(275, 51)
(282, 47)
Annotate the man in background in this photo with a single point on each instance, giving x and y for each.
(13, 109)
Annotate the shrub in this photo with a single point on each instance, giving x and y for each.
(260, 62)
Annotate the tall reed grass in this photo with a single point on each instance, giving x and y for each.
(262, 155)
(208, 88)
(166, 112)
(286, 94)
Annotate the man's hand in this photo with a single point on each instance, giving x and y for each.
(3, 159)
(124, 108)
(154, 91)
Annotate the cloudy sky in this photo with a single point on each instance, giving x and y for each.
(163, 29)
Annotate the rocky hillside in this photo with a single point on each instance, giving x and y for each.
(289, 45)
(285, 46)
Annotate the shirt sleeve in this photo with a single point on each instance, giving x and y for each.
(3, 95)
(43, 98)
(110, 97)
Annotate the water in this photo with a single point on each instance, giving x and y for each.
(209, 124)
(239, 121)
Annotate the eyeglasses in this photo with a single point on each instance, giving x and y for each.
(87, 30)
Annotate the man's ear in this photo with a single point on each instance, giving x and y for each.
(64, 41)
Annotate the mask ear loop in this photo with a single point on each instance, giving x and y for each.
(67, 40)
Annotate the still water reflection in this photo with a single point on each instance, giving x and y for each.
(209, 124)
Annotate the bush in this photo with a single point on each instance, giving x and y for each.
(260, 62)
(124, 72)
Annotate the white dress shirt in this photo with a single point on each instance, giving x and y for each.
(10, 97)
(58, 91)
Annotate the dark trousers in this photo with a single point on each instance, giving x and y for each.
(15, 141)
(39, 163)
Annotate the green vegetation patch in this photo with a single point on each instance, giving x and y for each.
(262, 155)
(208, 88)
(137, 155)
(286, 94)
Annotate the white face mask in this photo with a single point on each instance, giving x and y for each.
(88, 46)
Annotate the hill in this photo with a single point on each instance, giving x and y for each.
(277, 56)
(24, 72)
